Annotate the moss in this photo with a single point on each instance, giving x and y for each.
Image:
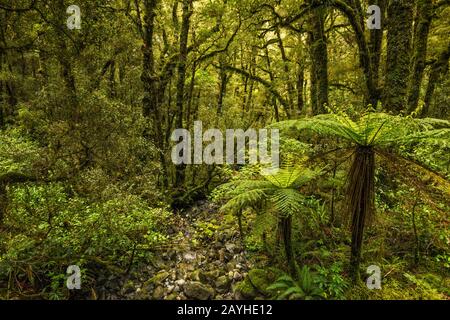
(407, 288)
(158, 278)
(255, 284)
(222, 284)
(245, 289)
(198, 290)
(260, 279)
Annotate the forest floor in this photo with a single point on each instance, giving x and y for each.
(204, 261)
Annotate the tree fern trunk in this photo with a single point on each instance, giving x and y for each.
(241, 230)
(285, 225)
(361, 198)
(3, 202)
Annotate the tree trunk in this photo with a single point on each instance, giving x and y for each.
(223, 77)
(64, 59)
(375, 46)
(191, 95)
(399, 34)
(319, 60)
(153, 87)
(361, 198)
(2, 94)
(287, 78)
(423, 22)
(416, 237)
(112, 80)
(3, 202)
(272, 79)
(183, 53)
(438, 68)
(300, 83)
(285, 229)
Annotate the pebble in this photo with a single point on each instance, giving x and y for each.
(189, 256)
(180, 282)
(237, 276)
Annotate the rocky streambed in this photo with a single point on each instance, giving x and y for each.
(208, 262)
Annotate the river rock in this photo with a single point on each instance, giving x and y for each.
(180, 282)
(189, 256)
(158, 293)
(198, 290)
(222, 284)
(231, 247)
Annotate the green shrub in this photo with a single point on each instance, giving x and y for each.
(48, 230)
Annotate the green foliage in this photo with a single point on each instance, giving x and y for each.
(85, 152)
(49, 230)
(303, 287)
(205, 230)
(444, 259)
(373, 129)
(318, 216)
(18, 153)
(332, 282)
(369, 134)
(277, 195)
(280, 190)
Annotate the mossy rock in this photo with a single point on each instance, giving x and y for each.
(129, 287)
(159, 293)
(245, 290)
(255, 284)
(222, 284)
(158, 278)
(172, 296)
(209, 276)
(195, 275)
(261, 279)
(198, 291)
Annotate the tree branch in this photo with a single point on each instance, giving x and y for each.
(265, 83)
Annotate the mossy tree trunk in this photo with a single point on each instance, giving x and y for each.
(223, 82)
(399, 26)
(438, 68)
(287, 77)
(183, 53)
(319, 58)
(423, 21)
(300, 84)
(375, 48)
(154, 85)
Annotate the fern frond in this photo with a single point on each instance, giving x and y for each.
(244, 199)
(288, 201)
(372, 129)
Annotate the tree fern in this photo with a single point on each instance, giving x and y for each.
(280, 191)
(370, 134)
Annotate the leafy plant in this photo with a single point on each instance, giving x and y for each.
(303, 287)
(73, 230)
(204, 231)
(332, 281)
